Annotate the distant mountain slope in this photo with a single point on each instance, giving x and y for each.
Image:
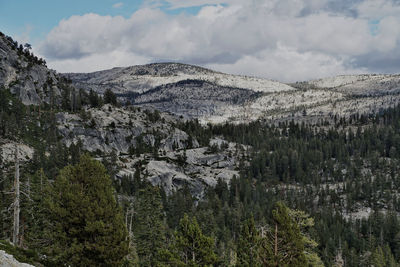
(366, 84)
(215, 97)
(142, 78)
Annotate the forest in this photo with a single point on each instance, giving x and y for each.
(293, 204)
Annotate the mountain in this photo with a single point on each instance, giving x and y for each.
(215, 97)
(141, 78)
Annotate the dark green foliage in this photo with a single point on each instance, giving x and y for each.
(94, 99)
(87, 226)
(11, 111)
(190, 247)
(110, 97)
(250, 246)
(153, 116)
(286, 239)
(149, 227)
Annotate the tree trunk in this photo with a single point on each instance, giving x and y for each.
(276, 245)
(16, 200)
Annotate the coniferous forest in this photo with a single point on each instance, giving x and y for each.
(290, 206)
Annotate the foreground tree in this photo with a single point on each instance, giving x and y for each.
(148, 225)
(286, 239)
(250, 245)
(190, 247)
(88, 227)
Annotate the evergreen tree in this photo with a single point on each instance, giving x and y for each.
(149, 225)
(110, 97)
(378, 258)
(88, 228)
(305, 222)
(249, 246)
(286, 239)
(94, 99)
(190, 246)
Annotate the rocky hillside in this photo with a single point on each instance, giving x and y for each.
(215, 97)
(139, 79)
(27, 75)
(169, 156)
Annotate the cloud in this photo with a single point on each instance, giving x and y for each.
(281, 39)
(287, 65)
(118, 5)
(175, 4)
(98, 61)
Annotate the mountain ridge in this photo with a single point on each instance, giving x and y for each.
(274, 101)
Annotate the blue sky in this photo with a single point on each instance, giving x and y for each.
(279, 39)
(38, 17)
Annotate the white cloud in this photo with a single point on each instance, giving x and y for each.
(378, 9)
(287, 64)
(175, 4)
(281, 39)
(100, 61)
(118, 5)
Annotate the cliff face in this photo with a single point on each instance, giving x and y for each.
(26, 75)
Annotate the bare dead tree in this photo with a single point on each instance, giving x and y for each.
(16, 200)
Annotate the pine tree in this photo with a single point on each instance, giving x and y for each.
(88, 228)
(149, 225)
(250, 247)
(190, 246)
(304, 222)
(110, 97)
(288, 244)
(378, 258)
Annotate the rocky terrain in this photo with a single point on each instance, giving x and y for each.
(171, 157)
(7, 260)
(139, 79)
(26, 75)
(214, 97)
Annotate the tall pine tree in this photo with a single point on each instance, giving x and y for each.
(88, 227)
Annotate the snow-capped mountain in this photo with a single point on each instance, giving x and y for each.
(215, 97)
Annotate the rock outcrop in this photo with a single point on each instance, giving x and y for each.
(26, 75)
(7, 260)
(169, 156)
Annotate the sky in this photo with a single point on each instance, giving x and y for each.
(285, 40)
